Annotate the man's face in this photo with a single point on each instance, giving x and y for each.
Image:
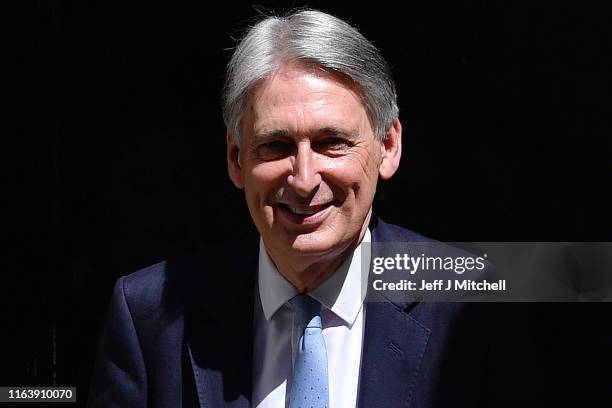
(308, 162)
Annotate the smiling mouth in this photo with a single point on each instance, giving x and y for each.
(304, 211)
(311, 216)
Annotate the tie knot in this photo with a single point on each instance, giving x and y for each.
(306, 309)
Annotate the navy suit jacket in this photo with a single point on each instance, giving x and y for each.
(179, 333)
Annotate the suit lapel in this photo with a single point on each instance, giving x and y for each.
(393, 347)
(221, 362)
(219, 329)
(393, 344)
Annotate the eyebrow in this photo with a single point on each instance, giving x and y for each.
(332, 130)
(270, 134)
(285, 133)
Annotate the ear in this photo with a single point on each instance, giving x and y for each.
(391, 150)
(233, 161)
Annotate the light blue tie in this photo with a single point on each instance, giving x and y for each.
(310, 382)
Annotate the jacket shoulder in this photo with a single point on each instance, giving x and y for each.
(385, 232)
(173, 284)
(161, 284)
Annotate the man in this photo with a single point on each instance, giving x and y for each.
(312, 124)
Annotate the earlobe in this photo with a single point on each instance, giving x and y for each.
(392, 150)
(234, 166)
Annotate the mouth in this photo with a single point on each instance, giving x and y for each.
(312, 214)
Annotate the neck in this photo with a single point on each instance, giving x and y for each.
(308, 273)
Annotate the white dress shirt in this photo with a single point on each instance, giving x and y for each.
(277, 332)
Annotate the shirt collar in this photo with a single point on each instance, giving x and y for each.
(342, 293)
(274, 289)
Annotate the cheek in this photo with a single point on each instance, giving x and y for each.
(356, 175)
(361, 166)
(264, 178)
(260, 178)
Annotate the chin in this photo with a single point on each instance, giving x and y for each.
(315, 243)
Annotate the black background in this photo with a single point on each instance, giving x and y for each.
(116, 155)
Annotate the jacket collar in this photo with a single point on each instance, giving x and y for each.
(219, 326)
(394, 342)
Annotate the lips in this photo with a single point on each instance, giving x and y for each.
(309, 210)
(311, 214)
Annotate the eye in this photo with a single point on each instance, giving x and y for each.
(333, 143)
(274, 149)
(275, 145)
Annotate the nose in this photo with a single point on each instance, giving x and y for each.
(305, 177)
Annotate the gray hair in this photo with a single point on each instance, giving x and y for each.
(316, 38)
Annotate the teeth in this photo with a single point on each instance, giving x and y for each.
(301, 211)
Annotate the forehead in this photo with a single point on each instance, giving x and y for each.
(297, 95)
